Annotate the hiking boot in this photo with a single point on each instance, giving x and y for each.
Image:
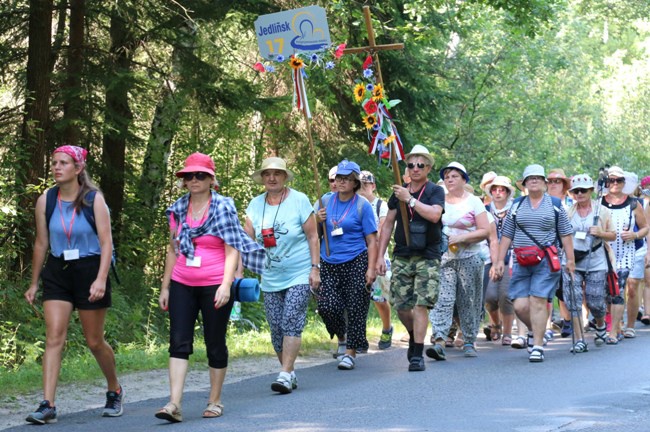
(416, 364)
(386, 339)
(282, 383)
(44, 414)
(113, 407)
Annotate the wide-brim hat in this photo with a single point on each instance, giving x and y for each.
(500, 181)
(275, 163)
(456, 166)
(420, 150)
(197, 162)
(558, 173)
(631, 183)
(581, 181)
(487, 178)
(530, 170)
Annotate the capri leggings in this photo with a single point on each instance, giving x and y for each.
(343, 288)
(595, 291)
(286, 312)
(496, 296)
(184, 305)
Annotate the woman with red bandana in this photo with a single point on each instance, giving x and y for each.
(75, 275)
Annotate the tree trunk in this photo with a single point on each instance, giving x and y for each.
(30, 163)
(118, 115)
(73, 102)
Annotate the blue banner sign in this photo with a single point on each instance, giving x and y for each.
(294, 31)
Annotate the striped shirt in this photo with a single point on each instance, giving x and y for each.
(539, 223)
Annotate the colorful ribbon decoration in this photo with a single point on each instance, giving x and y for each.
(299, 93)
(384, 116)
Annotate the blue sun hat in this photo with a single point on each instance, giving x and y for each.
(346, 167)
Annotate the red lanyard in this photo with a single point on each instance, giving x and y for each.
(347, 210)
(68, 234)
(418, 198)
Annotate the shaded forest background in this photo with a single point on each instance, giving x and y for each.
(494, 84)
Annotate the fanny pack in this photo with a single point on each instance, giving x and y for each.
(580, 254)
(528, 256)
(550, 251)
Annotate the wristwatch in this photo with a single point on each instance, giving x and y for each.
(412, 202)
(316, 266)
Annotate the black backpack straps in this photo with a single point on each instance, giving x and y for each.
(89, 210)
(557, 205)
(50, 204)
(379, 203)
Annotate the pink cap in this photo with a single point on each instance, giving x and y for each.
(645, 181)
(197, 162)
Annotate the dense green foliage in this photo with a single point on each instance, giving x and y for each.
(494, 84)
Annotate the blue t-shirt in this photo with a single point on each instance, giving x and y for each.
(289, 262)
(83, 236)
(355, 225)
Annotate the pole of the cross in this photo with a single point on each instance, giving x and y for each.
(393, 154)
(302, 91)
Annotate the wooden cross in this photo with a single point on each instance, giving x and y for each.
(373, 50)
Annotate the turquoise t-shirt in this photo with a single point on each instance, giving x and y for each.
(289, 262)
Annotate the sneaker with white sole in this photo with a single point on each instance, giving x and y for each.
(44, 414)
(294, 380)
(113, 407)
(282, 383)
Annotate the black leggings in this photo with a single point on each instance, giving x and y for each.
(184, 305)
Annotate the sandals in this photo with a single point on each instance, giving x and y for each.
(629, 333)
(347, 362)
(460, 341)
(579, 347)
(536, 355)
(506, 340)
(496, 332)
(213, 410)
(449, 343)
(340, 349)
(645, 319)
(601, 336)
(170, 412)
(611, 340)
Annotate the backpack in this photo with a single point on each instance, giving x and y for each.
(88, 212)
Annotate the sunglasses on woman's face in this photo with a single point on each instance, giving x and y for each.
(619, 180)
(200, 176)
(555, 181)
(412, 165)
(581, 191)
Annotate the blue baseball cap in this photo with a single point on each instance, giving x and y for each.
(346, 167)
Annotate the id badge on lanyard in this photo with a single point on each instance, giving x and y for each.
(68, 254)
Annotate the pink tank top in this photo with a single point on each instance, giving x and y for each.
(212, 251)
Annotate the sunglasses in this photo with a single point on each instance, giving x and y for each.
(200, 176)
(619, 180)
(581, 191)
(555, 181)
(412, 165)
(332, 180)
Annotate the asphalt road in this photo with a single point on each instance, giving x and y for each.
(605, 389)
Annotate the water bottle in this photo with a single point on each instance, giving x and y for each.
(235, 313)
(376, 292)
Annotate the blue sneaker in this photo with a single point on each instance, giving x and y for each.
(113, 407)
(44, 414)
